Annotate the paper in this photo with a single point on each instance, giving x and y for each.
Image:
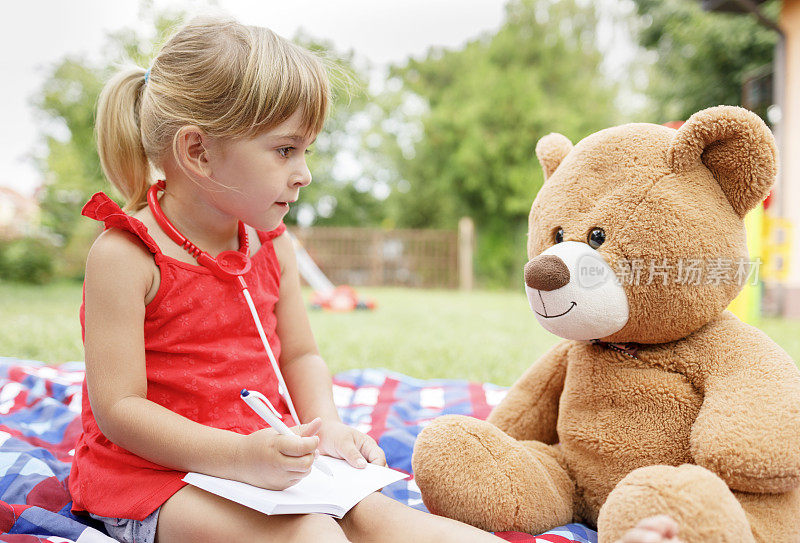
(316, 493)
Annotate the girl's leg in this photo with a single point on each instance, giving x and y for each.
(192, 514)
(381, 519)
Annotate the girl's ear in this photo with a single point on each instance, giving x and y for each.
(736, 146)
(551, 150)
(190, 151)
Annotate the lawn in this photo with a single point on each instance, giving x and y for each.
(483, 336)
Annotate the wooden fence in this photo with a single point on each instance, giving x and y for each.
(376, 257)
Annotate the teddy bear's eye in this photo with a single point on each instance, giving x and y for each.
(596, 237)
(559, 235)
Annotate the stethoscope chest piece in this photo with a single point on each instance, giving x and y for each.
(233, 263)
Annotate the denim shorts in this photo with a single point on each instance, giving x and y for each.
(131, 531)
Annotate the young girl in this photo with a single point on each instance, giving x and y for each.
(227, 112)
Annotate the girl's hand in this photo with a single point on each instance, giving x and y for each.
(341, 441)
(270, 460)
(658, 529)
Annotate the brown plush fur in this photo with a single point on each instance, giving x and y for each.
(703, 424)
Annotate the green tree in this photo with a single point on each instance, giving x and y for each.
(485, 107)
(701, 58)
(70, 163)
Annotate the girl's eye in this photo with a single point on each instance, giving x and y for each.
(285, 151)
(596, 238)
(559, 237)
(309, 151)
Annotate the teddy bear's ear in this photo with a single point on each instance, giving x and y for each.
(551, 150)
(736, 146)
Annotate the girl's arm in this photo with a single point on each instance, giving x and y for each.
(119, 274)
(305, 372)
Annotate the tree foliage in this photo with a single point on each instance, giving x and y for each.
(487, 104)
(702, 58)
(70, 164)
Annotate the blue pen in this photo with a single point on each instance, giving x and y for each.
(264, 409)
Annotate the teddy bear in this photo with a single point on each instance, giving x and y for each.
(658, 400)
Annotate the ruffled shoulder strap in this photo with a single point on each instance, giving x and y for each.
(102, 208)
(272, 234)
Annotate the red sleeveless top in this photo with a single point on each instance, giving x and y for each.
(201, 349)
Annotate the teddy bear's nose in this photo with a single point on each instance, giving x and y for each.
(546, 272)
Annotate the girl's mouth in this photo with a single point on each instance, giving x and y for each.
(282, 204)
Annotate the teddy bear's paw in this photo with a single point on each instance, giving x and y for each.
(469, 470)
(698, 500)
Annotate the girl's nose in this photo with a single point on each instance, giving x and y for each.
(301, 178)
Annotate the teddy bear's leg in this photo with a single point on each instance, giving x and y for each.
(470, 470)
(774, 518)
(702, 504)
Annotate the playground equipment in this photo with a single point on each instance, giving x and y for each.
(326, 295)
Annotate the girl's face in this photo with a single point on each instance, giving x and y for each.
(264, 173)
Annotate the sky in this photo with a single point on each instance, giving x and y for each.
(36, 34)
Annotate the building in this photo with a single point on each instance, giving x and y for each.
(19, 215)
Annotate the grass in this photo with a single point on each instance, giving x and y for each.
(482, 336)
(41, 323)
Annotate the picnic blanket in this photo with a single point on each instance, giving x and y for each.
(40, 423)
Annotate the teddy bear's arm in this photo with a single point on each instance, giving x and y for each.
(530, 409)
(748, 428)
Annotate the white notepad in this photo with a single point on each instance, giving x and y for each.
(316, 493)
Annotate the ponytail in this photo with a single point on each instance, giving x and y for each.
(119, 137)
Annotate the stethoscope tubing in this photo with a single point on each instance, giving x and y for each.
(283, 390)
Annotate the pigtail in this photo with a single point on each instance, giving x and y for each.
(119, 137)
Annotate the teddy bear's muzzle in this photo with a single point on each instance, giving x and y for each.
(575, 293)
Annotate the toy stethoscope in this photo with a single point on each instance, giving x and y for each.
(228, 266)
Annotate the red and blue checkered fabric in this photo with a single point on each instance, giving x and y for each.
(39, 424)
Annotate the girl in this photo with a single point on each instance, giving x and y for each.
(227, 113)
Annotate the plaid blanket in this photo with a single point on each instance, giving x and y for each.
(39, 424)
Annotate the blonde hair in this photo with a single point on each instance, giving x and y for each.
(229, 79)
